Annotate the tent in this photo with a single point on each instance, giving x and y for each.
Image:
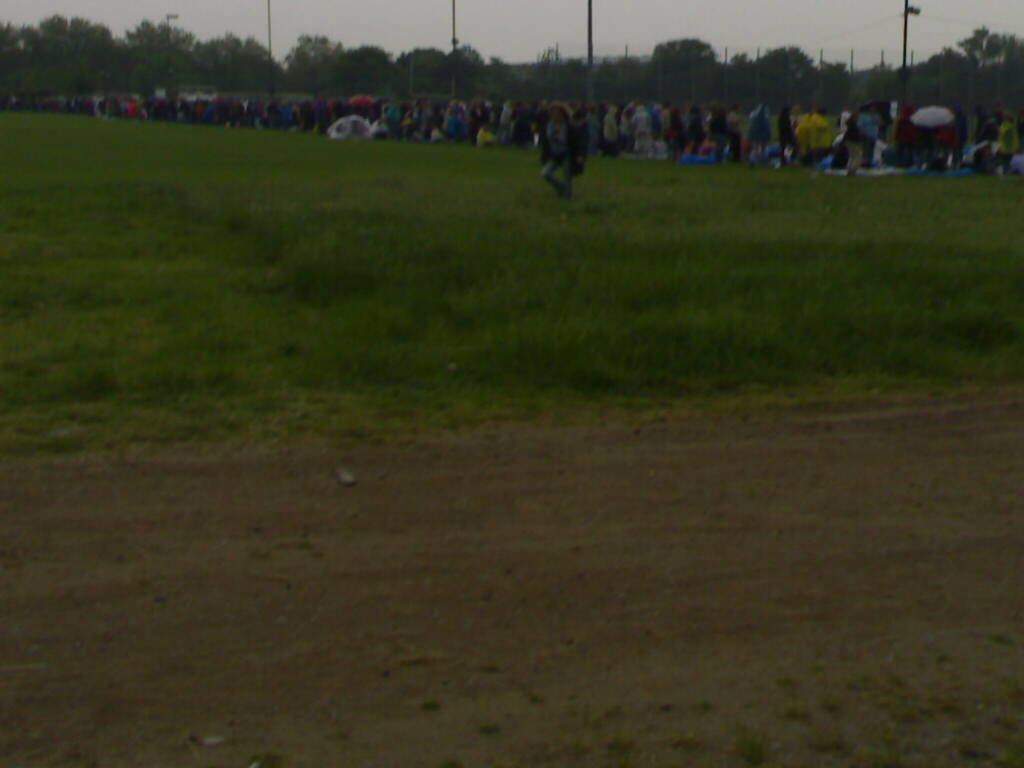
(351, 127)
(362, 101)
(933, 117)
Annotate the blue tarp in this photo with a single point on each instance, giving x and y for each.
(957, 174)
(697, 160)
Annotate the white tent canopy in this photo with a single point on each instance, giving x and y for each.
(933, 117)
(351, 127)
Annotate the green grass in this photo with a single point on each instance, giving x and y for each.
(166, 283)
(751, 748)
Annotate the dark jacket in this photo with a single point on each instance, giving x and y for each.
(576, 141)
(695, 127)
(786, 135)
(853, 132)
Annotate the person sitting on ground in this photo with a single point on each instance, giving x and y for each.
(486, 137)
(1008, 143)
(437, 132)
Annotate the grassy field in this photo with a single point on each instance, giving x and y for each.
(165, 283)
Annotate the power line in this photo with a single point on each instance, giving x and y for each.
(1006, 28)
(870, 25)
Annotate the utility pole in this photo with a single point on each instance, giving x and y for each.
(455, 49)
(270, 49)
(693, 79)
(590, 52)
(821, 75)
(170, 51)
(725, 76)
(757, 75)
(908, 11)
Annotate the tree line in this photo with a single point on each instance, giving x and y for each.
(77, 57)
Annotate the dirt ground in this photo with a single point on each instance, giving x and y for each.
(809, 588)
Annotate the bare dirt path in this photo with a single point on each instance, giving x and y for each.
(812, 588)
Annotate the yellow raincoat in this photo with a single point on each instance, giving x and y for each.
(1009, 140)
(814, 133)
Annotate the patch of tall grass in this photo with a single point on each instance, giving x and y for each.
(167, 280)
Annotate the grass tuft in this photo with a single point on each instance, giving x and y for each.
(751, 748)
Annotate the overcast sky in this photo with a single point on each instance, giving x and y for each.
(517, 30)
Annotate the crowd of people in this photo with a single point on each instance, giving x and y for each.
(891, 136)
(307, 115)
(872, 134)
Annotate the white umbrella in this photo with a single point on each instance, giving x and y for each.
(933, 117)
(351, 127)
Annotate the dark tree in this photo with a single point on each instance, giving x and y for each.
(312, 65)
(364, 70)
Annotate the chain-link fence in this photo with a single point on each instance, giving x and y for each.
(694, 72)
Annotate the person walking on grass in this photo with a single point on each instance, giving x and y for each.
(561, 149)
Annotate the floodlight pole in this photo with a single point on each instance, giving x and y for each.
(455, 49)
(908, 11)
(590, 52)
(270, 48)
(168, 18)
